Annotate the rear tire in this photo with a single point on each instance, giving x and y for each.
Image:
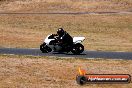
(77, 48)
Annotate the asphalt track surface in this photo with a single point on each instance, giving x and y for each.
(85, 54)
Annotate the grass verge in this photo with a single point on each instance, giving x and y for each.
(54, 72)
(102, 32)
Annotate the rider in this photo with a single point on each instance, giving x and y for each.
(64, 38)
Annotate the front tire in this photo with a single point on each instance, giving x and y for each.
(44, 48)
(77, 48)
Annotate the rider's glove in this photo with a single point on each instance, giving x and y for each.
(54, 34)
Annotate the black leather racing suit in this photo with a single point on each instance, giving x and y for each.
(65, 39)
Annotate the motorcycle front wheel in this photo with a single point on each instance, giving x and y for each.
(44, 48)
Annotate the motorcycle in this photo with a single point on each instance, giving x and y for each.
(50, 44)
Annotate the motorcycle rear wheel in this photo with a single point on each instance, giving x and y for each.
(77, 48)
